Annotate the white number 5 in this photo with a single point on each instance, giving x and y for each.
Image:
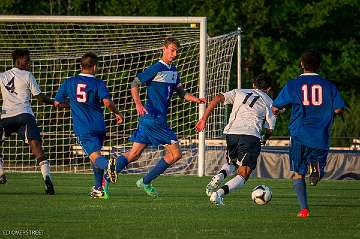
(80, 93)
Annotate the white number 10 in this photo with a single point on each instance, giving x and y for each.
(316, 95)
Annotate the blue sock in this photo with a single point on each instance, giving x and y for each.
(300, 189)
(98, 176)
(101, 162)
(159, 168)
(121, 163)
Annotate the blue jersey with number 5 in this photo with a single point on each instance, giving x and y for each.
(161, 81)
(85, 94)
(313, 101)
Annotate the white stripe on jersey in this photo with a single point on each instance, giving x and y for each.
(17, 86)
(251, 112)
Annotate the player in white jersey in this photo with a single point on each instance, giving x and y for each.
(17, 85)
(251, 112)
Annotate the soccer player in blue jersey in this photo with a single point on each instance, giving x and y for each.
(86, 95)
(17, 86)
(162, 80)
(313, 101)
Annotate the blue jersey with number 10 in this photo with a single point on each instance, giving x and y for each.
(161, 81)
(313, 100)
(85, 94)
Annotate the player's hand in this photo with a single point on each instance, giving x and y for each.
(200, 125)
(119, 118)
(141, 109)
(202, 101)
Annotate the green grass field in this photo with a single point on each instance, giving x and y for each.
(181, 211)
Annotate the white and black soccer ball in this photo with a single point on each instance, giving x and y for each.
(261, 194)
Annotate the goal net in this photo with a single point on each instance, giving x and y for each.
(123, 49)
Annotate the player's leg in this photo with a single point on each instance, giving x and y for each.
(317, 161)
(227, 169)
(298, 167)
(172, 155)
(3, 179)
(37, 150)
(6, 129)
(30, 133)
(122, 160)
(244, 155)
(97, 189)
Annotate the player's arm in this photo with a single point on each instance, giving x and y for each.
(266, 136)
(44, 99)
(136, 97)
(200, 125)
(180, 91)
(111, 106)
(61, 96)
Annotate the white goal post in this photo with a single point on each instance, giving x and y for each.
(125, 46)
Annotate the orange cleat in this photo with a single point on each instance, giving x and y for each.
(304, 213)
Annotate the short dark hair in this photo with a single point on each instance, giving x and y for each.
(262, 82)
(20, 53)
(172, 40)
(311, 60)
(88, 60)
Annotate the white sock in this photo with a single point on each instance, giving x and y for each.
(237, 182)
(45, 168)
(2, 172)
(228, 168)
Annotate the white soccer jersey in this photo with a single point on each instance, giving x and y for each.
(17, 86)
(250, 113)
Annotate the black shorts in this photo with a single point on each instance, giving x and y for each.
(23, 124)
(243, 150)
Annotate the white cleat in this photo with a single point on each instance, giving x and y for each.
(216, 199)
(213, 185)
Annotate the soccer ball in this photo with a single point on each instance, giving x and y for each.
(261, 194)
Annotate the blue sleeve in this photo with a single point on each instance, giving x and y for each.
(283, 98)
(103, 91)
(148, 74)
(61, 93)
(338, 101)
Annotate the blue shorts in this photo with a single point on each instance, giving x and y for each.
(91, 142)
(153, 130)
(23, 124)
(301, 156)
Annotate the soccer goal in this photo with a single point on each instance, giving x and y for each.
(125, 46)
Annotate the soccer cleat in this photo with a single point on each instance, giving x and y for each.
(148, 188)
(314, 177)
(304, 213)
(216, 199)
(49, 187)
(213, 185)
(3, 179)
(111, 170)
(96, 193)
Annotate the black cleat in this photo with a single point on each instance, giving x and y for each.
(3, 179)
(314, 177)
(49, 187)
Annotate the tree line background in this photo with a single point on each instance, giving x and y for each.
(275, 33)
